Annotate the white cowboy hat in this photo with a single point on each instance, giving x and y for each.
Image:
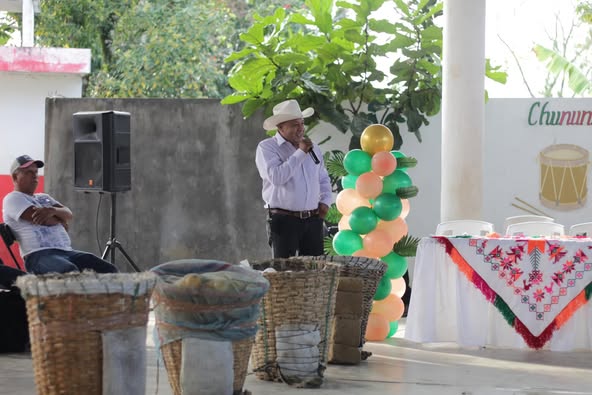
(286, 111)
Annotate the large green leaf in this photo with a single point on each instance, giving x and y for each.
(399, 42)
(234, 98)
(407, 246)
(335, 165)
(333, 215)
(322, 13)
(431, 33)
(328, 246)
(289, 59)
(557, 64)
(381, 26)
(402, 6)
(494, 73)
(433, 11)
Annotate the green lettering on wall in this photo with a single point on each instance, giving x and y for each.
(530, 121)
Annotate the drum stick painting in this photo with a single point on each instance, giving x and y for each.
(563, 176)
(531, 209)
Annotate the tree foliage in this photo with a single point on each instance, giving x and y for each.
(81, 24)
(7, 27)
(566, 60)
(156, 48)
(326, 62)
(169, 52)
(327, 57)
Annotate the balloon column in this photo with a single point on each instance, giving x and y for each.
(374, 208)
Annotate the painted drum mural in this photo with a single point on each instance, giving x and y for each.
(563, 177)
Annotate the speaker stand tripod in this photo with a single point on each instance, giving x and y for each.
(113, 243)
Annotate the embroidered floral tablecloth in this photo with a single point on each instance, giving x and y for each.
(537, 284)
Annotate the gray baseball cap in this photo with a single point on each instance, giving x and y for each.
(24, 161)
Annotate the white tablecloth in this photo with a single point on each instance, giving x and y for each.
(446, 307)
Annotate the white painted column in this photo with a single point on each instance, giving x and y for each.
(28, 27)
(463, 109)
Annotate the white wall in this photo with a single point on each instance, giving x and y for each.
(22, 111)
(512, 167)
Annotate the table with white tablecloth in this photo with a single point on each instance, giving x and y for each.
(502, 292)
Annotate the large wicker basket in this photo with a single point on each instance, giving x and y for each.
(302, 291)
(194, 310)
(368, 269)
(241, 349)
(67, 316)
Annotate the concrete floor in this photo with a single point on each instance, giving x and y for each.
(397, 367)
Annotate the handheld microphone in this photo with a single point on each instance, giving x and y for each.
(314, 157)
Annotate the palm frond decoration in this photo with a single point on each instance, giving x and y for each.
(407, 246)
(328, 246)
(334, 164)
(333, 215)
(407, 162)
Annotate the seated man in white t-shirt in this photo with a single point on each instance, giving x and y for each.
(40, 223)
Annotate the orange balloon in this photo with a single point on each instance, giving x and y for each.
(378, 327)
(369, 184)
(378, 242)
(344, 223)
(364, 253)
(398, 287)
(391, 307)
(348, 200)
(405, 209)
(384, 163)
(397, 228)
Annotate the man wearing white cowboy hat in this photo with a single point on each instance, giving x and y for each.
(296, 189)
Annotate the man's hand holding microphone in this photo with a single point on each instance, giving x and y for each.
(306, 145)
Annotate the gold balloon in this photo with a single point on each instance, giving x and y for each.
(376, 138)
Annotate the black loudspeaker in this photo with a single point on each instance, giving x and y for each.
(102, 151)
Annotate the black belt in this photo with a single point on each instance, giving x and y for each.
(300, 214)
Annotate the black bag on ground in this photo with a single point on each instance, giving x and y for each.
(14, 331)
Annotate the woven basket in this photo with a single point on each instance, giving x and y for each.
(368, 269)
(66, 329)
(210, 300)
(301, 291)
(241, 350)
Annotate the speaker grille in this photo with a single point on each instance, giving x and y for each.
(88, 165)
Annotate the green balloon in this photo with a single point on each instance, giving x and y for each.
(396, 265)
(389, 184)
(357, 162)
(346, 242)
(383, 289)
(363, 220)
(397, 179)
(349, 181)
(387, 206)
(394, 326)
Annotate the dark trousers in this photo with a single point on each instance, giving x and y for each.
(14, 331)
(289, 235)
(59, 261)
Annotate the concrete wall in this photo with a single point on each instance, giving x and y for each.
(195, 190)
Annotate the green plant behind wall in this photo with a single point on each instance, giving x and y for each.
(331, 64)
(327, 58)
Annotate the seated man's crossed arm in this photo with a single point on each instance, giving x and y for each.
(48, 216)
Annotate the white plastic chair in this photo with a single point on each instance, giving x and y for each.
(525, 218)
(583, 229)
(536, 228)
(464, 227)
